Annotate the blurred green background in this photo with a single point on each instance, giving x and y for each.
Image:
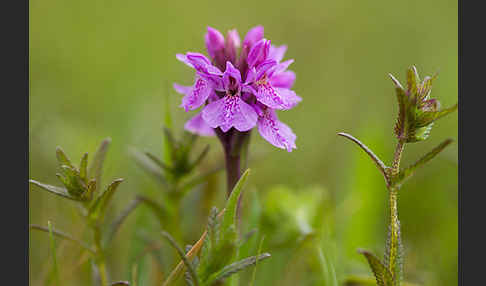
(103, 68)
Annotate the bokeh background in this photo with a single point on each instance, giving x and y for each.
(104, 69)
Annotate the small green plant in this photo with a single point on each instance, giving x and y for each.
(417, 113)
(218, 245)
(81, 184)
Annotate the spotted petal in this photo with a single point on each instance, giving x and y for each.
(276, 97)
(230, 111)
(197, 95)
(276, 132)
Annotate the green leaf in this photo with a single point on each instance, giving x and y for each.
(382, 275)
(62, 158)
(158, 162)
(410, 170)
(53, 253)
(427, 117)
(96, 167)
(412, 80)
(149, 166)
(170, 145)
(401, 125)
(229, 216)
(116, 224)
(379, 164)
(183, 257)
(62, 192)
(199, 180)
(199, 158)
(73, 182)
(83, 168)
(235, 268)
(97, 210)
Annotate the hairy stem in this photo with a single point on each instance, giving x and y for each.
(394, 222)
(395, 169)
(394, 230)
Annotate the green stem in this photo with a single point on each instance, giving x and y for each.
(394, 230)
(397, 157)
(394, 222)
(100, 257)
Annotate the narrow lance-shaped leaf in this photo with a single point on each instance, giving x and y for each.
(428, 117)
(156, 209)
(199, 158)
(381, 166)
(62, 158)
(199, 179)
(183, 257)
(236, 267)
(382, 275)
(148, 165)
(409, 171)
(63, 235)
(83, 167)
(412, 80)
(191, 254)
(116, 224)
(96, 167)
(62, 192)
(53, 253)
(170, 145)
(158, 162)
(98, 208)
(229, 216)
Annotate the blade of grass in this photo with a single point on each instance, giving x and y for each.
(253, 276)
(53, 253)
(63, 235)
